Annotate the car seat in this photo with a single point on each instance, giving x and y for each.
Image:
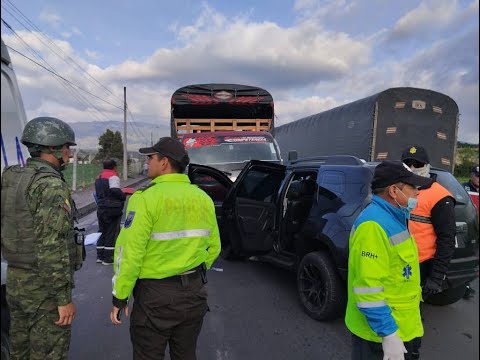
(300, 199)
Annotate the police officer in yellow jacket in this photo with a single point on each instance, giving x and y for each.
(384, 293)
(169, 239)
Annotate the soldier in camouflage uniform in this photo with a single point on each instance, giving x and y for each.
(39, 243)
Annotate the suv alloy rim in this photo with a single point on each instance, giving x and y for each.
(312, 288)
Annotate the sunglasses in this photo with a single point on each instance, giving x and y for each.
(415, 163)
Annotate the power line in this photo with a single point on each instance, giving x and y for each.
(74, 86)
(66, 85)
(133, 123)
(61, 77)
(56, 46)
(53, 72)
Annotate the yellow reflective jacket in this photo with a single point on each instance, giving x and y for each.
(170, 228)
(383, 276)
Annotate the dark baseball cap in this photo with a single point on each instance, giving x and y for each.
(475, 170)
(416, 152)
(169, 147)
(389, 172)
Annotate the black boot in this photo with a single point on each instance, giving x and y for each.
(100, 255)
(469, 293)
(107, 257)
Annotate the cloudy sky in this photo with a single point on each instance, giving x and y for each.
(311, 55)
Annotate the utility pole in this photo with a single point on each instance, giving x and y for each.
(125, 154)
(151, 138)
(74, 171)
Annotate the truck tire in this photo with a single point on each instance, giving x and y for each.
(321, 290)
(5, 347)
(447, 297)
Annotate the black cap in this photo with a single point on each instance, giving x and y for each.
(417, 153)
(389, 172)
(475, 170)
(169, 147)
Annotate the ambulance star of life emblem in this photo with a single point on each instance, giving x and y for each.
(407, 271)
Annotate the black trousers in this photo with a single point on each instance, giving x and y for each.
(109, 225)
(368, 350)
(169, 312)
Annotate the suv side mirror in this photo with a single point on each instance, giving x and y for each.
(292, 155)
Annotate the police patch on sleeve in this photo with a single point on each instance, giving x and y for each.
(129, 219)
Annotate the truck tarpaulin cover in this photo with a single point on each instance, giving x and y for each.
(216, 100)
(379, 127)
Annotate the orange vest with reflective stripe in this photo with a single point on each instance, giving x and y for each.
(420, 224)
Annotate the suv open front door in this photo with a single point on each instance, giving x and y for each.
(249, 225)
(214, 182)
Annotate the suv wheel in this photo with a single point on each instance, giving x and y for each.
(322, 292)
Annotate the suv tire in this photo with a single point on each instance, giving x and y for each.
(322, 292)
(447, 297)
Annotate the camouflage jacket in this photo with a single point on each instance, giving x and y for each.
(51, 208)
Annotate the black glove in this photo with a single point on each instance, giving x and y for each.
(433, 285)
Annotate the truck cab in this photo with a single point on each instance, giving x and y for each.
(229, 151)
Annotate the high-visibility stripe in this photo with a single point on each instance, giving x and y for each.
(100, 247)
(179, 234)
(367, 290)
(399, 238)
(422, 219)
(117, 270)
(371, 304)
(109, 248)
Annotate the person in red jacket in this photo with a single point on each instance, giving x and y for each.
(432, 224)
(110, 201)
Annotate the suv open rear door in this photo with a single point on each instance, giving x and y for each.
(249, 211)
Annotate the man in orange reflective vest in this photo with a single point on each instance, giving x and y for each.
(432, 224)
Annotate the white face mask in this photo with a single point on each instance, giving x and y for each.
(423, 171)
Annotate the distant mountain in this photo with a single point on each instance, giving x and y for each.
(139, 134)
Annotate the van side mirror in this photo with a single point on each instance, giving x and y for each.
(292, 155)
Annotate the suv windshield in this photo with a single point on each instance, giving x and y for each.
(448, 181)
(232, 152)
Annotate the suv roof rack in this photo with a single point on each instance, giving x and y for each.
(331, 160)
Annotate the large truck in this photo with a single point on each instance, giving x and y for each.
(225, 125)
(379, 127)
(13, 122)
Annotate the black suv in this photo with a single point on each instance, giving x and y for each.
(299, 217)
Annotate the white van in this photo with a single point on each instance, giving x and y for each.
(13, 153)
(13, 115)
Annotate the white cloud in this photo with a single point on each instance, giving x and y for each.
(50, 17)
(429, 14)
(76, 31)
(306, 67)
(92, 54)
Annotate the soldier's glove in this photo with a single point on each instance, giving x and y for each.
(393, 347)
(433, 285)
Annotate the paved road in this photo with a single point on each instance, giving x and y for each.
(255, 315)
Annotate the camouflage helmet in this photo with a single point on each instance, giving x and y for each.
(48, 131)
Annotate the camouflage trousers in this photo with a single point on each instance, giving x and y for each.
(33, 333)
